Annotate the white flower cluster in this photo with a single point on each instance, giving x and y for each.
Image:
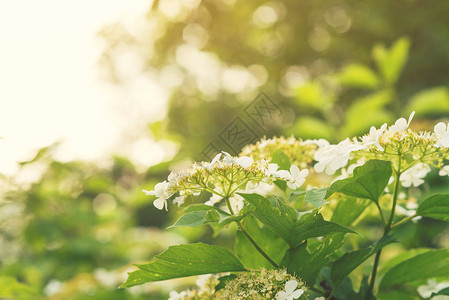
(426, 148)
(223, 177)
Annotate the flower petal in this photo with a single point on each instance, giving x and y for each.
(159, 203)
(290, 286)
(245, 161)
(148, 193)
(294, 170)
(281, 295)
(296, 294)
(411, 117)
(440, 128)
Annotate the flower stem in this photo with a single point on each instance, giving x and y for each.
(403, 221)
(249, 237)
(257, 246)
(387, 229)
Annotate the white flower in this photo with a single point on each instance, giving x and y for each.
(320, 143)
(442, 132)
(320, 298)
(244, 161)
(259, 187)
(174, 295)
(160, 191)
(297, 177)
(433, 287)
(290, 293)
(210, 165)
(203, 281)
(373, 137)
(179, 200)
(272, 170)
(333, 157)
(401, 124)
(444, 171)
(414, 176)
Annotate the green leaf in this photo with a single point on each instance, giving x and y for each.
(396, 295)
(283, 161)
(199, 207)
(196, 218)
(280, 222)
(368, 111)
(359, 76)
(308, 262)
(430, 264)
(313, 95)
(272, 244)
(316, 197)
(391, 62)
(285, 221)
(443, 292)
(185, 260)
(311, 128)
(368, 182)
(433, 101)
(348, 210)
(10, 288)
(351, 260)
(313, 225)
(435, 207)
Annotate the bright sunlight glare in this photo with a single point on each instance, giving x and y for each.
(50, 87)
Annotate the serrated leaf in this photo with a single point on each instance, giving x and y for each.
(199, 207)
(284, 221)
(185, 260)
(191, 219)
(435, 207)
(313, 225)
(343, 266)
(308, 263)
(279, 222)
(427, 265)
(368, 182)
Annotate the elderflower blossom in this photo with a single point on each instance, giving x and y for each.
(442, 133)
(223, 177)
(444, 171)
(266, 284)
(330, 158)
(300, 152)
(401, 124)
(415, 175)
(373, 137)
(290, 292)
(205, 289)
